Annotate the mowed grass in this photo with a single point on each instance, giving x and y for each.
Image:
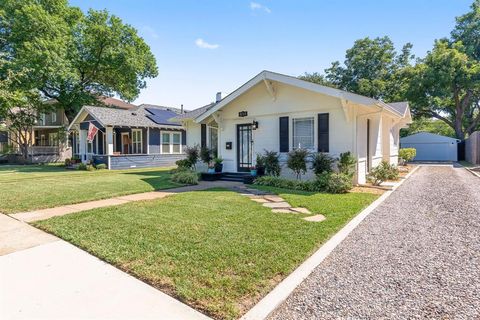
(215, 250)
(25, 188)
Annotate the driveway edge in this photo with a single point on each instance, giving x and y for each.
(281, 292)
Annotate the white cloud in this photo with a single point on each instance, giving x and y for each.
(205, 45)
(257, 6)
(150, 32)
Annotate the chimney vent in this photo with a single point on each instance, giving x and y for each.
(181, 109)
(218, 97)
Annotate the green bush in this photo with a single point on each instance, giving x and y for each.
(206, 155)
(321, 181)
(407, 154)
(90, 167)
(82, 166)
(185, 177)
(272, 163)
(68, 162)
(183, 164)
(278, 182)
(346, 164)
(297, 161)
(193, 155)
(339, 183)
(321, 163)
(101, 166)
(383, 172)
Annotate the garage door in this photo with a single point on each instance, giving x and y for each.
(441, 151)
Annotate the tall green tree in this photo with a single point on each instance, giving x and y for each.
(446, 85)
(467, 30)
(372, 67)
(72, 57)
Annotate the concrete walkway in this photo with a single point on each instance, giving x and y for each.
(43, 214)
(43, 277)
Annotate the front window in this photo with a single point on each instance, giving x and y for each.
(52, 139)
(41, 121)
(303, 133)
(171, 142)
(137, 141)
(54, 117)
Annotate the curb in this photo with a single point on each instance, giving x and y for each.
(283, 290)
(473, 172)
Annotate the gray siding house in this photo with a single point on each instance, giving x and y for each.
(138, 137)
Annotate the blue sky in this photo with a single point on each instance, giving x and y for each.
(207, 46)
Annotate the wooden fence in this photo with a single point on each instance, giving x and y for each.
(472, 148)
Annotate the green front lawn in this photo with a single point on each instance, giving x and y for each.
(216, 250)
(25, 188)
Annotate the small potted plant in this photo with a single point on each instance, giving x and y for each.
(260, 165)
(218, 164)
(211, 168)
(253, 171)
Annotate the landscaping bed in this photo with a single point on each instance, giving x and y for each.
(215, 250)
(30, 187)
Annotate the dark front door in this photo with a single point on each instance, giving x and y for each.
(244, 147)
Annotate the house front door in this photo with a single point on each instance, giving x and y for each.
(244, 147)
(125, 143)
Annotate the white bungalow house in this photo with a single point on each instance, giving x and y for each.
(277, 112)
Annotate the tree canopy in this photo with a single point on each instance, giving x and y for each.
(445, 84)
(70, 56)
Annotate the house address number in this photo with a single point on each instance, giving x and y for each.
(243, 114)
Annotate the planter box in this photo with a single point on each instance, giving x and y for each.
(211, 176)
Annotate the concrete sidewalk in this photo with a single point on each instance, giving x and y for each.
(44, 277)
(43, 214)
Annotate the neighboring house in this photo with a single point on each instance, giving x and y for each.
(472, 148)
(46, 136)
(280, 113)
(142, 136)
(431, 147)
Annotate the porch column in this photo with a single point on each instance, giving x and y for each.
(148, 141)
(109, 140)
(83, 145)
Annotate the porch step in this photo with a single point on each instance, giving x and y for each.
(234, 176)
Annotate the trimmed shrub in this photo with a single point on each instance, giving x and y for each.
(383, 172)
(206, 155)
(272, 163)
(321, 163)
(183, 164)
(101, 166)
(297, 161)
(339, 183)
(82, 166)
(68, 162)
(407, 154)
(346, 164)
(321, 181)
(193, 155)
(278, 182)
(90, 167)
(185, 177)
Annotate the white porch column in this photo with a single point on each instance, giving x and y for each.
(148, 141)
(83, 145)
(109, 140)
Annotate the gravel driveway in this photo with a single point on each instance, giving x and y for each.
(416, 256)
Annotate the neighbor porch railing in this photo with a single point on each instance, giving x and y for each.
(43, 150)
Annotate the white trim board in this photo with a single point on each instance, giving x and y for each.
(283, 290)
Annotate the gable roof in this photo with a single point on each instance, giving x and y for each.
(427, 137)
(293, 81)
(195, 113)
(116, 103)
(137, 117)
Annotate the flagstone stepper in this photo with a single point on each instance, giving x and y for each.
(276, 205)
(301, 210)
(283, 211)
(315, 218)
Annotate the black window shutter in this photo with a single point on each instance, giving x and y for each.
(323, 130)
(284, 134)
(184, 138)
(203, 133)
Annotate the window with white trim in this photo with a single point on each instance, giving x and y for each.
(54, 117)
(41, 120)
(137, 141)
(171, 142)
(303, 133)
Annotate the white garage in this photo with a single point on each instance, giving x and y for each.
(431, 147)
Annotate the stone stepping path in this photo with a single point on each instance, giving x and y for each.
(275, 202)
